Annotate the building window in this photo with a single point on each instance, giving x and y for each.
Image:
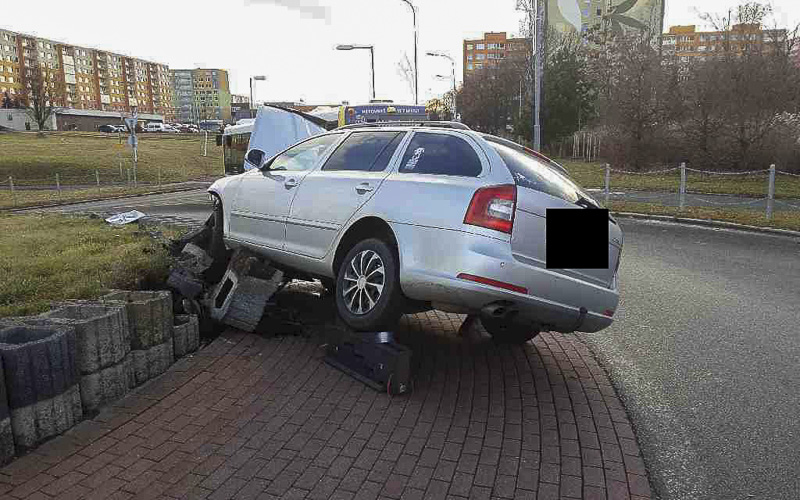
(480, 57)
(481, 46)
(469, 46)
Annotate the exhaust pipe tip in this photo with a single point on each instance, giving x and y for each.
(500, 311)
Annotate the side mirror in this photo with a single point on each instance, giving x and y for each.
(255, 157)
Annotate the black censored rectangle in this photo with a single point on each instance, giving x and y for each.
(577, 238)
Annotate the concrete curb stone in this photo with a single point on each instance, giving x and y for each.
(152, 362)
(149, 316)
(6, 435)
(103, 342)
(185, 334)
(41, 376)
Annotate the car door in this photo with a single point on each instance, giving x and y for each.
(264, 196)
(329, 196)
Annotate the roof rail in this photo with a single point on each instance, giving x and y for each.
(434, 124)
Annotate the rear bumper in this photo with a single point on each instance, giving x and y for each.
(431, 259)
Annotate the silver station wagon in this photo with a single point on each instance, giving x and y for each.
(397, 218)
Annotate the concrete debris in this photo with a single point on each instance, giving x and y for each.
(240, 298)
(231, 290)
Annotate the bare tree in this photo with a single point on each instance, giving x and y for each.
(405, 70)
(41, 94)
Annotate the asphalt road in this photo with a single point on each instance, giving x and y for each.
(704, 351)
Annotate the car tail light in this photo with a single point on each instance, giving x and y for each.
(493, 207)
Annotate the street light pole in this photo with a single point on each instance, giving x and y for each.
(453, 69)
(416, 69)
(372, 59)
(252, 103)
(538, 75)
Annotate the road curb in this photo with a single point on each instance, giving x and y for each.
(93, 200)
(709, 223)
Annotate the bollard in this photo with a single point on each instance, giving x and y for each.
(129, 177)
(771, 191)
(159, 175)
(13, 194)
(58, 186)
(683, 186)
(607, 189)
(205, 144)
(97, 178)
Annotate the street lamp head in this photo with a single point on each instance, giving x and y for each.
(344, 47)
(259, 77)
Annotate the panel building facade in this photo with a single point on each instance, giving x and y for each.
(85, 78)
(686, 43)
(492, 48)
(201, 95)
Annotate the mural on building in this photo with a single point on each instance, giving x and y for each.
(617, 16)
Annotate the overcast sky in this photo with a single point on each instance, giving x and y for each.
(292, 41)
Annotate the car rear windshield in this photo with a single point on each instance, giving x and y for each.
(534, 173)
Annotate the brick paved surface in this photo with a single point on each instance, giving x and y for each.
(257, 417)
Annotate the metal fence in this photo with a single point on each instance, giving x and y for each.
(681, 195)
(120, 170)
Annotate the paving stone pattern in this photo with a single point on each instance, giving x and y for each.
(257, 417)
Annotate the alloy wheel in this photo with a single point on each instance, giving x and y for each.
(364, 280)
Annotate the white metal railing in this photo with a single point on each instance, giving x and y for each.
(769, 199)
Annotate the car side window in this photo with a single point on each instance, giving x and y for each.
(364, 151)
(304, 155)
(440, 154)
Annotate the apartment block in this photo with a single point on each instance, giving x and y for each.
(85, 78)
(492, 48)
(686, 42)
(201, 95)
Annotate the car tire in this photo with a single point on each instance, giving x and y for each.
(508, 332)
(365, 300)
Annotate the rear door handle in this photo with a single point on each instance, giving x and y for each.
(290, 183)
(364, 187)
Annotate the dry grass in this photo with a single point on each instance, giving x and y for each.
(592, 175)
(781, 219)
(33, 161)
(44, 258)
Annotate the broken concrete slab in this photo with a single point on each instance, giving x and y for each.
(185, 283)
(194, 259)
(240, 297)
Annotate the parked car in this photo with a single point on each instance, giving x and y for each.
(406, 217)
(108, 129)
(159, 127)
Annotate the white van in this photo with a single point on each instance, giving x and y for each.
(159, 127)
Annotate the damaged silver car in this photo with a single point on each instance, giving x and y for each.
(401, 217)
